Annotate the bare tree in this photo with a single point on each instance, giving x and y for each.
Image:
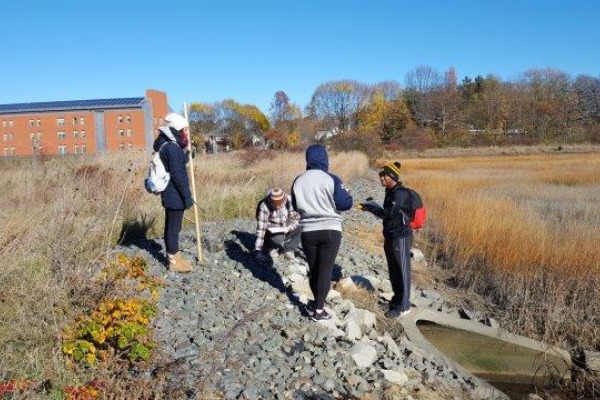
(587, 91)
(279, 108)
(420, 85)
(338, 102)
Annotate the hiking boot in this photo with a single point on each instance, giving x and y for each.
(274, 253)
(178, 264)
(289, 255)
(320, 316)
(394, 313)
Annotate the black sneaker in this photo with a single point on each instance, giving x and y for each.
(320, 316)
(396, 313)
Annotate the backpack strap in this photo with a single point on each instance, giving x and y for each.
(160, 154)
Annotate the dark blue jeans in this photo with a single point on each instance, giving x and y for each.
(321, 248)
(173, 224)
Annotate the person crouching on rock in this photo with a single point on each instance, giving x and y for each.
(277, 227)
(398, 236)
(177, 197)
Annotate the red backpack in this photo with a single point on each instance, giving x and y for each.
(418, 210)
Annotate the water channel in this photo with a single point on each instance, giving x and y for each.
(513, 369)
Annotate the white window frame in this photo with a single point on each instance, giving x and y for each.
(61, 135)
(62, 150)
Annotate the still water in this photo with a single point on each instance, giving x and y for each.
(513, 369)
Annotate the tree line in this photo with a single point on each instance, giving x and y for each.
(431, 109)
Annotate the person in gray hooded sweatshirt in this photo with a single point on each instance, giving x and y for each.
(171, 142)
(318, 196)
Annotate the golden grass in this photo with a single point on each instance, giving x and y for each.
(60, 223)
(522, 230)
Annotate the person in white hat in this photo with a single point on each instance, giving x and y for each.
(276, 226)
(177, 196)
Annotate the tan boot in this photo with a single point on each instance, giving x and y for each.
(178, 264)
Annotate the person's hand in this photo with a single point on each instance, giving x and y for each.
(260, 257)
(189, 202)
(365, 207)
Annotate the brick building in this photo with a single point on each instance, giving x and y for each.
(81, 126)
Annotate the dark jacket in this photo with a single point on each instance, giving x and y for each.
(174, 158)
(395, 213)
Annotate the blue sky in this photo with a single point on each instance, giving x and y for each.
(247, 50)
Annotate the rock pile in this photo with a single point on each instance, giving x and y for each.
(238, 329)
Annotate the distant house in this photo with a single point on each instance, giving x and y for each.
(81, 126)
(515, 132)
(325, 135)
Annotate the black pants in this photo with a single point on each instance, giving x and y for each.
(285, 242)
(173, 223)
(321, 248)
(397, 253)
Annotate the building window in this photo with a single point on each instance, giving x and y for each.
(61, 135)
(8, 137)
(75, 134)
(81, 121)
(62, 150)
(74, 120)
(82, 134)
(130, 146)
(10, 151)
(121, 132)
(128, 132)
(32, 123)
(10, 123)
(60, 122)
(83, 149)
(128, 118)
(120, 118)
(39, 135)
(76, 150)
(38, 123)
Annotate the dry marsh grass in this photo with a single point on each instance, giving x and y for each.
(62, 219)
(523, 231)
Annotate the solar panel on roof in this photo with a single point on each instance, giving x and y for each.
(70, 105)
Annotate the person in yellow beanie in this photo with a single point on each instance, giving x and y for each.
(398, 236)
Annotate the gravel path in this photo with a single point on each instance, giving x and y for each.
(236, 329)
